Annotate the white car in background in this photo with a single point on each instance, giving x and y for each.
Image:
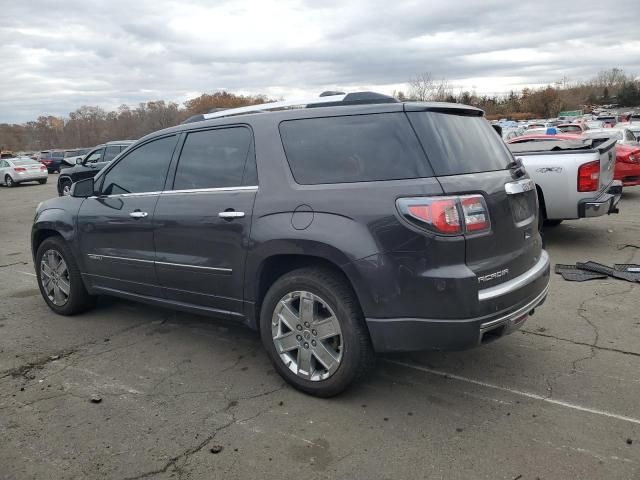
(22, 169)
(633, 126)
(71, 157)
(623, 135)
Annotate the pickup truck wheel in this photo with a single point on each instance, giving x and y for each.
(59, 279)
(314, 332)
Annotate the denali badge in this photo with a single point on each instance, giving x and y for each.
(493, 276)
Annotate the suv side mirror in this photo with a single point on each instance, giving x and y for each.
(83, 189)
(79, 161)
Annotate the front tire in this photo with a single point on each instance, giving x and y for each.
(59, 278)
(65, 187)
(314, 332)
(8, 181)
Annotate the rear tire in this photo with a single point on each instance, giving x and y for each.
(333, 308)
(8, 181)
(42, 182)
(61, 286)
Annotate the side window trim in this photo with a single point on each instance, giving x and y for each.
(99, 179)
(171, 176)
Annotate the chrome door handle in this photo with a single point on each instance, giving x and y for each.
(138, 214)
(231, 214)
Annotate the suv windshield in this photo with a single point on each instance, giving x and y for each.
(459, 143)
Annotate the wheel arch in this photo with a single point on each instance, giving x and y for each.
(272, 267)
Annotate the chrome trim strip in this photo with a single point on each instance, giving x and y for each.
(522, 310)
(527, 277)
(520, 186)
(94, 256)
(248, 188)
(217, 269)
(119, 195)
(212, 190)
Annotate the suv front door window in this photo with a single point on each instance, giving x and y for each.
(94, 157)
(119, 254)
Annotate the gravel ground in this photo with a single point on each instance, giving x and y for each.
(181, 396)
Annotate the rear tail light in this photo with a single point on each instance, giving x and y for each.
(46, 162)
(42, 167)
(589, 177)
(447, 215)
(20, 169)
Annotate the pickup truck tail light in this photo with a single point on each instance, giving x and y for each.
(589, 177)
(447, 215)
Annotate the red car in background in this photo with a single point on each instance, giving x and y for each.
(627, 165)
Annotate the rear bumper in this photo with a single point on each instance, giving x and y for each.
(604, 204)
(30, 177)
(417, 334)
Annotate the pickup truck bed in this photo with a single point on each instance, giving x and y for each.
(554, 163)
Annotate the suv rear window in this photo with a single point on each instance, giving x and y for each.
(459, 143)
(357, 148)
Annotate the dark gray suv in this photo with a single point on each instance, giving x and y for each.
(351, 224)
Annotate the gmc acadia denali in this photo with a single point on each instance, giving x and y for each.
(336, 227)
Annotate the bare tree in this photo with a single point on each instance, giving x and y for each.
(423, 87)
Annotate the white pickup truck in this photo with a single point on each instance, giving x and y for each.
(573, 175)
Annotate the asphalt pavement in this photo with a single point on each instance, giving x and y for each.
(131, 391)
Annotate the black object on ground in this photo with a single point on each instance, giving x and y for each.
(571, 273)
(599, 268)
(627, 267)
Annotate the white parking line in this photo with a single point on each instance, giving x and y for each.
(533, 396)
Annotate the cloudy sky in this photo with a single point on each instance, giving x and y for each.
(57, 55)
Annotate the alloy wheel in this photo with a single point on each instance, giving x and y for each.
(54, 276)
(307, 335)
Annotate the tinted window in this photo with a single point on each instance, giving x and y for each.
(57, 154)
(142, 170)
(95, 156)
(458, 144)
(213, 158)
(110, 152)
(357, 148)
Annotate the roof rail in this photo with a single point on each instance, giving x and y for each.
(265, 107)
(328, 100)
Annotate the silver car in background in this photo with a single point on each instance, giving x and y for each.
(22, 169)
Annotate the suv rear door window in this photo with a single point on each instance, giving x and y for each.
(142, 170)
(459, 143)
(357, 148)
(213, 159)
